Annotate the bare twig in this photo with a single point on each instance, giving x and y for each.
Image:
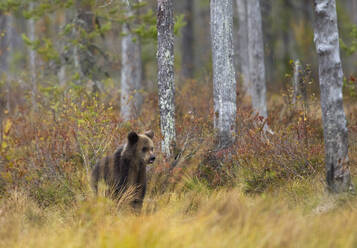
(178, 157)
(106, 4)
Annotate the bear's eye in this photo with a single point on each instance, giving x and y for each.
(145, 149)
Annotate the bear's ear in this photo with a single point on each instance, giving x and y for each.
(150, 134)
(132, 138)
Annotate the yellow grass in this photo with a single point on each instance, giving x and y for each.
(298, 214)
(40, 207)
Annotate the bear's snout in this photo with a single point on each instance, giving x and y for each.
(152, 159)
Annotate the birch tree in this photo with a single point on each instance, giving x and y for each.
(187, 41)
(256, 58)
(32, 55)
(61, 44)
(131, 72)
(296, 81)
(331, 79)
(166, 84)
(243, 43)
(76, 63)
(224, 84)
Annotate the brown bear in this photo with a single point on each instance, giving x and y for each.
(127, 167)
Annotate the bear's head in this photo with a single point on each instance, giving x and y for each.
(142, 146)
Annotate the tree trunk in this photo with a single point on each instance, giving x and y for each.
(256, 58)
(32, 56)
(296, 81)
(166, 83)
(331, 80)
(354, 11)
(202, 57)
(4, 66)
(85, 55)
(6, 43)
(269, 39)
(187, 41)
(10, 28)
(3, 54)
(85, 23)
(289, 40)
(243, 43)
(76, 63)
(307, 11)
(131, 73)
(224, 84)
(61, 45)
(62, 73)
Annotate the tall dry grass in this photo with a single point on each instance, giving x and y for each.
(299, 214)
(268, 193)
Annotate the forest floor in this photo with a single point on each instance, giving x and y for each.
(298, 214)
(269, 192)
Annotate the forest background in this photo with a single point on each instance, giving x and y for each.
(61, 110)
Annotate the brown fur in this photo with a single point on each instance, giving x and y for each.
(127, 167)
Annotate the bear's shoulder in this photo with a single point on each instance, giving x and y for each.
(118, 154)
(122, 156)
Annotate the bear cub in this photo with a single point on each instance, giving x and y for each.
(127, 168)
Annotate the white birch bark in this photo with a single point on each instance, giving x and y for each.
(62, 73)
(256, 58)
(131, 74)
(62, 70)
(77, 65)
(331, 79)
(243, 43)
(166, 82)
(75, 49)
(224, 84)
(296, 81)
(32, 56)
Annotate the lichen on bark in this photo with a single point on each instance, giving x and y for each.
(224, 83)
(331, 79)
(166, 83)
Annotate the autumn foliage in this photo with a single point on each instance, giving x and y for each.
(46, 155)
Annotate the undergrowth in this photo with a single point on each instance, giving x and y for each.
(264, 191)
